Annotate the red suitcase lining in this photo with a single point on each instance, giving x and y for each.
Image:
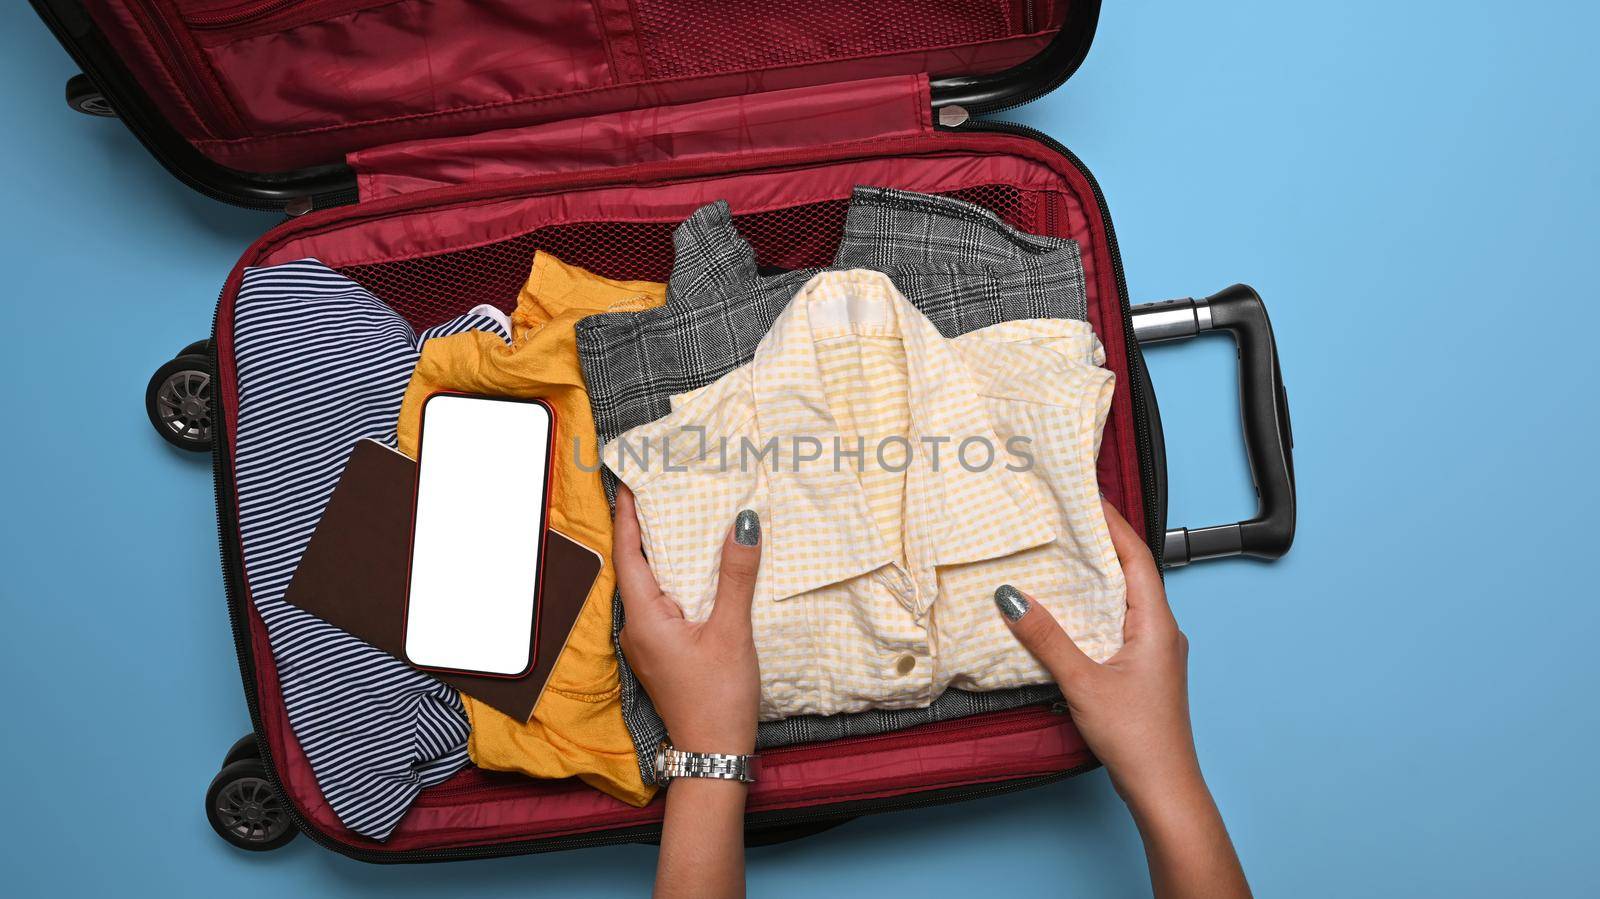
(434, 254)
(272, 85)
(723, 127)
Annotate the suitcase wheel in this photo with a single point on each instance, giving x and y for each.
(84, 97)
(244, 809)
(243, 748)
(178, 400)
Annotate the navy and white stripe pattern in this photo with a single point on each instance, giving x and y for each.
(321, 364)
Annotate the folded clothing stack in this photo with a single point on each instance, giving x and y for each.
(961, 267)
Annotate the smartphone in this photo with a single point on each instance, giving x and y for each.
(478, 522)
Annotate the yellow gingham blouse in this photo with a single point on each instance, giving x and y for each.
(900, 477)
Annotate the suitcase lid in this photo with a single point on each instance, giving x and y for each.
(259, 102)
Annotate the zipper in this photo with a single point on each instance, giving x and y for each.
(171, 50)
(237, 15)
(1154, 527)
(264, 9)
(1023, 98)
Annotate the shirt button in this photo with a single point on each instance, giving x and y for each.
(905, 664)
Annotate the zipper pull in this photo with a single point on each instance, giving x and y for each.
(952, 116)
(1059, 707)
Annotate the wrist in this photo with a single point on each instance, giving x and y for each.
(1172, 794)
(720, 739)
(710, 789)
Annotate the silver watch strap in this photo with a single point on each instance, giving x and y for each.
(673, 763)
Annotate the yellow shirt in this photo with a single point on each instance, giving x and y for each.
(900, 478)
(576, 729)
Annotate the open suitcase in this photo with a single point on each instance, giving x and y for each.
(427, 148)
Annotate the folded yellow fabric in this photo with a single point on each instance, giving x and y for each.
(577, 728)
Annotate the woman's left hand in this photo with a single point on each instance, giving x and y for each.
(702, 675)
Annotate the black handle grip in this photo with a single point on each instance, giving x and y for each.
(1268, 440)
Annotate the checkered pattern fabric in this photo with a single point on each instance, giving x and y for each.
(964, 269)
(879, 567)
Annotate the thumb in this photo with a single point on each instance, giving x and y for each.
(1038, 630)
(741, 563)
(641, 594)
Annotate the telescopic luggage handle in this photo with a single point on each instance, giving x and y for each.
(1264, 405)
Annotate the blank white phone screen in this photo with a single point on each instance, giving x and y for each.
(477, 534)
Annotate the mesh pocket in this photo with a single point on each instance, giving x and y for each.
(699, 37)
(433, 289)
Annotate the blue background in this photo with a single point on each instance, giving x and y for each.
(1403, 705)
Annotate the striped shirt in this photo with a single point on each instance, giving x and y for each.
(321, 364)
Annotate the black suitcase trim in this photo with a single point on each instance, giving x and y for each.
(309, 188)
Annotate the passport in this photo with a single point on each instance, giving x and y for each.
(353, 575)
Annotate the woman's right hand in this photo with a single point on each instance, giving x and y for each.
(1133, 709)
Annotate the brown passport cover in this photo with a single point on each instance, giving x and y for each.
(353, 575)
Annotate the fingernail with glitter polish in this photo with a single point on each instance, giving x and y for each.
(747, 528)
(1011, 602)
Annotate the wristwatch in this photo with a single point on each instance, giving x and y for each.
(671, 763)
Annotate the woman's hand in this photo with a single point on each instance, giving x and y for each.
(704, 681)
(1133, 711)
(702, 676)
